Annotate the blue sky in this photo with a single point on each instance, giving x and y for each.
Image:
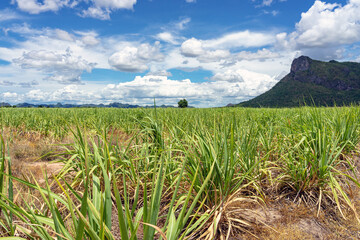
(211, 52)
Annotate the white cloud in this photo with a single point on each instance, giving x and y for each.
(324, 29)
(197, 48)
(136, 58)
(114, 4)
(250, 83)
(70, 93)
(6, 15)
(192, 48)
(182, 23)
(240, 39)
(63, 35)
(243, 84)
(171, 32)
(267, 2)
(214, 56)
(224, 88)
(100, 9)
(35, 7)
(62, 67)
(232, 83)
(273, 12)
(94, 12)
(329, 24)
(86, 44)
(90, 40)
(36, 95)
(190, 1)
(9, 95)
(8, 83)
(167, 37)
(261, 54)
(160, 73)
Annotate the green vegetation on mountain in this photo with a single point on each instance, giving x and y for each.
(313, 82)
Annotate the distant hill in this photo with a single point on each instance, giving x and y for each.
(4, 104)
(313, 82)
(60, 105)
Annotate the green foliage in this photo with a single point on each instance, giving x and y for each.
(183, 103)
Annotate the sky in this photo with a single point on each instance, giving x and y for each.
(211, 52)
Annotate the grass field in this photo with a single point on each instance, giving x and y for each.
(227, 173)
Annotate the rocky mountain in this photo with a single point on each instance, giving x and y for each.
(313, 82)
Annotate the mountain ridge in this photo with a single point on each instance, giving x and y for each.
(313, 82)
(68, 105)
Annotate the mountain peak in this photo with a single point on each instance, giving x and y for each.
(313, 82)
(301, 63)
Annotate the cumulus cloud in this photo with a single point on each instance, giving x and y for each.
(90, 40)
(248, 83)
(36, 95)
(323, 29)
(329, 24)
(9, 95)
(223, 88)
(214, 56)
(192, 48)
(100, 9)
(86, 44)
(136, 58)
(63, 67)
(35, 6)
(231, 84)
(63, 35)
(70, 93)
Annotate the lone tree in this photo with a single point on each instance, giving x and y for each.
(183, 103)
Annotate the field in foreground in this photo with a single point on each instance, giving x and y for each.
(180, 173)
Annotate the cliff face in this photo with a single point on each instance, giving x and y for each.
(300, 64)
(325, 83)
(333, 75)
